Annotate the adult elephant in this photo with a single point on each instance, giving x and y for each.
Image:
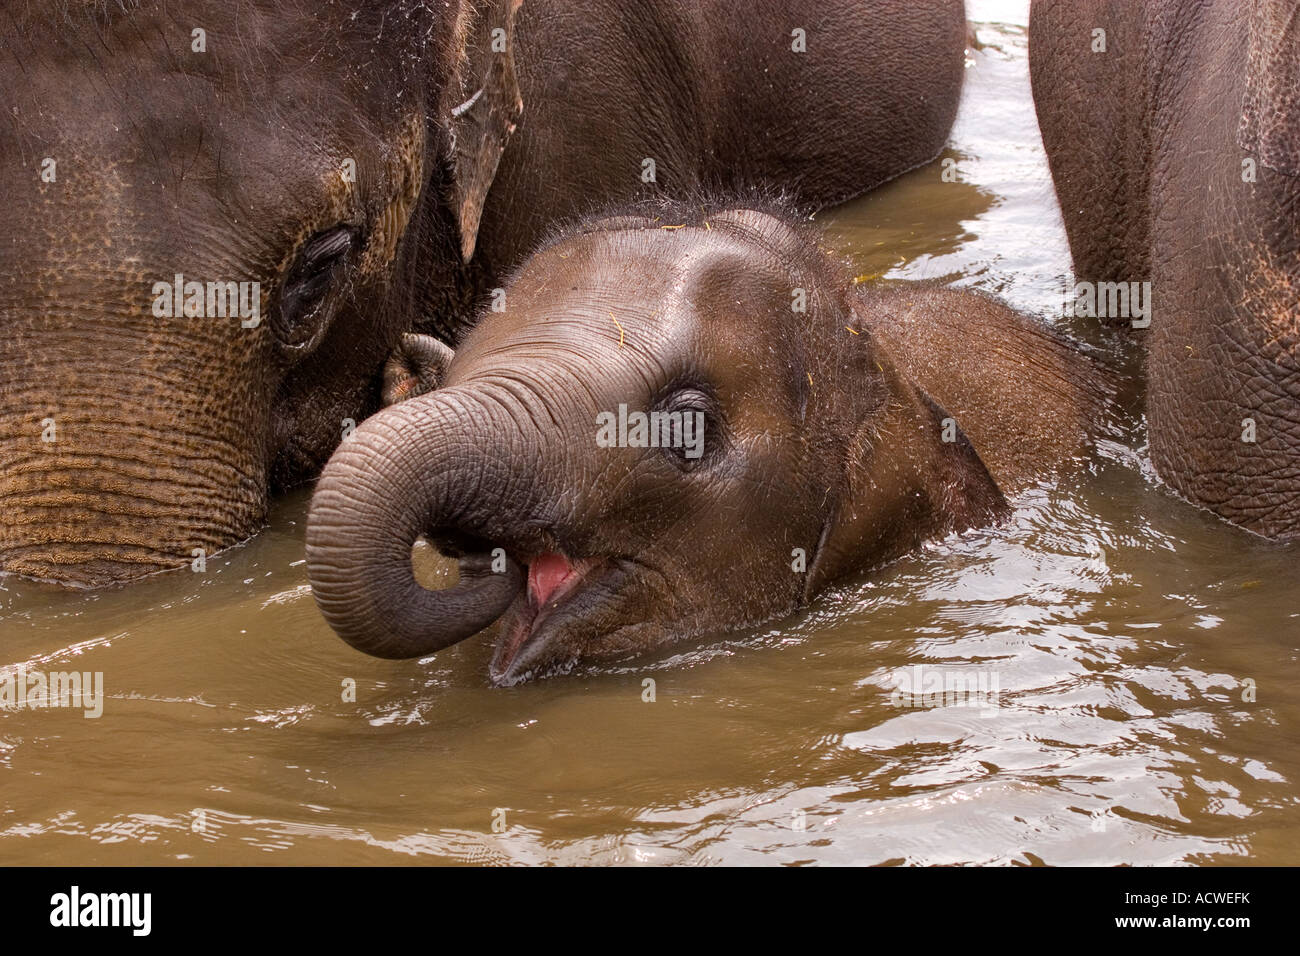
(1172, 129)
(670, 449)
(219, 221)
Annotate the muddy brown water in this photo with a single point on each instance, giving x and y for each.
(1132, 666)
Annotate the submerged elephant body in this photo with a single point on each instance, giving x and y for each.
(355, 177)
(836, 437)
(1172, 128)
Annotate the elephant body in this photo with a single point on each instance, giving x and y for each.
(713, 92)
(838, 427)
(371, 171)
(1172, 128)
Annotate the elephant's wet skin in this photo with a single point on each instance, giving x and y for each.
(835, 439)
(1172, 128)
(368, 167)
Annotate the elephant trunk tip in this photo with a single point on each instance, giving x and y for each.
(365, 517)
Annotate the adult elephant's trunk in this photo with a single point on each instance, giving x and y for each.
(414, 469)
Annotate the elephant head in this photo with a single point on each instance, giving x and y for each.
(679, 424)
(219, 222)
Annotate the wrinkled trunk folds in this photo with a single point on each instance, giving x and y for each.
(419, 468)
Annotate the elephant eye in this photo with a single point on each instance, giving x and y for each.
(304, 307)
(692, 424)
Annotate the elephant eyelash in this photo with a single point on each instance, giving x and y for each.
(692, 399)
(303, 314)
(324, 252)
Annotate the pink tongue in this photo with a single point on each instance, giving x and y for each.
(545, 575)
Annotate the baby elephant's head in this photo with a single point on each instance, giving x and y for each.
(662, 429)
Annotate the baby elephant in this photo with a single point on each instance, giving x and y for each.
(681, 424)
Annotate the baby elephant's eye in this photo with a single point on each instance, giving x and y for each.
(688, 427)
(304, 311)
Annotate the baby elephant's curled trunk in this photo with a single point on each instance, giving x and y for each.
(404, 473)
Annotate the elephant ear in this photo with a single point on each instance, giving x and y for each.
(909, 474)
(487, 108)
(1270, 112)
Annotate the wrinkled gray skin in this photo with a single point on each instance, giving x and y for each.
(824, 432)
(1146, 143)
(233, 165)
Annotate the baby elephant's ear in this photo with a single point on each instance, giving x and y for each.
(416, 367)
(910, 475)
(483, 113)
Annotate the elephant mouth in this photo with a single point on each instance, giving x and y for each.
(559, 593)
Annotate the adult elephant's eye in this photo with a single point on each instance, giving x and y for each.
(305, 308)
(689, 428)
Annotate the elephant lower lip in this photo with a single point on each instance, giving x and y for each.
(552, 581)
